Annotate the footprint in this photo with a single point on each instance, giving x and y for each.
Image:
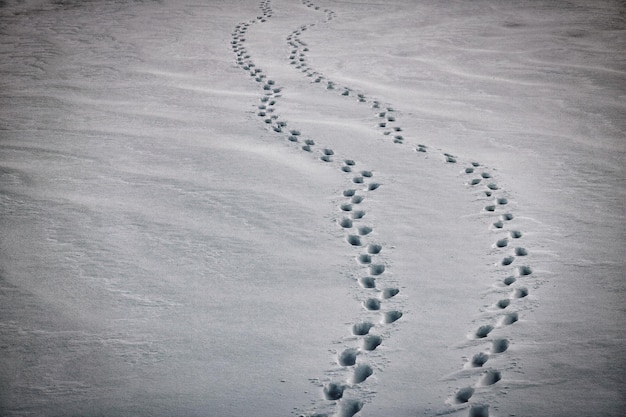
(479, 410)
(358, 214)
(499, 345)
(483, 331)
(348, 408)
(364, 258)
(367, 282)
(372, 304)
(349, 162)
(361, 373)
(485, 175)
(357, 199)
(506, 217)
(365, 230)
(509, 280)
(333, 391)
(346, 207)
(490, 208)
(326, 158)
(367, 174)
(374, 249)
(349, 192)
(345, 223)
(520, 292)
(391, 316)
(372, 186)
(498, 225)
(450, 158)
(492, 186)
(515, 234)
(361, 329)
(347, 357)
(509, 319)
(357, 180)
(489, 377)
(421, 148)
(479, 359)
(463, 395)
(508, 260)
(469, 170)
(502, 201)
(475, 181)
(524, 270)
(346, 168)
(377, 269)
(502, 243)
(354, 240)
(390, 292)
(521, 252)
(328, 152)
(504, 303)
(371, 342)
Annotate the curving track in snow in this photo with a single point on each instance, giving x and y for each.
(343, 393)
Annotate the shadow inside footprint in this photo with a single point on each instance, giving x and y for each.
(371, 342)
(483, 331)
(377, 269)
(479, 410)
(389, 292)
(463, 395)
(372, 304)
(374, 248)
(354, 240)
(347, 357)
(391, 316)
(364, 258)
(499, 345)
(367, 282)
(520, 292)
(361, 329)
(361, 373)
(508, 319)
(479, 359)
(348, 408)
(345, 223)
(333, 391)
(489, 377)
(365, 230)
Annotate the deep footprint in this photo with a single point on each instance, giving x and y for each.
(371, 342)
(361, 373)
(361, 329)
(490, 377)
(347, 357)
(391, 316)
(333, 391)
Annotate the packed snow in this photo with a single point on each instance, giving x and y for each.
(312, 208)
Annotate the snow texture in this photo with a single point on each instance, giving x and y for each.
(312, 208)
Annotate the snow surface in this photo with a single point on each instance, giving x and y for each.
(233, 208)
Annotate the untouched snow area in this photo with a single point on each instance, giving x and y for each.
(237, 208)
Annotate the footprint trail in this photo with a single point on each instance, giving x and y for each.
(343, 387)
(347, 388)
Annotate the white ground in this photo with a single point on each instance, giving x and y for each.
(165, 252)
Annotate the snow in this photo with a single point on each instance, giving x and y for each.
(165, 251)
